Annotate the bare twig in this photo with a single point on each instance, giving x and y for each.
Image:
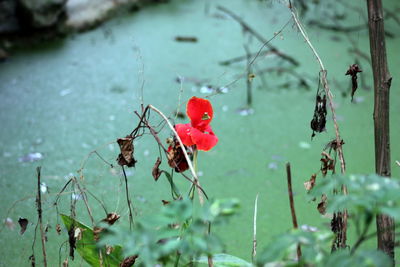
(39, 210)
(259, 37)
(292, 208)
(254, 251)
(331, 105)
(85, 200)
(242, 58)
(248, 80)
(128, 200)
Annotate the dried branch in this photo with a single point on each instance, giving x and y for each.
(258, 36)
(39, 210)
(325, 84)
(128, 200)
(292, 208)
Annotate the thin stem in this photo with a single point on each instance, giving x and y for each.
(292, 208)
(128, 200)
(39, 210)
(362, 237)
(254, 252)
(331, 105)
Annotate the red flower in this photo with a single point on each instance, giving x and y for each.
(198, 132)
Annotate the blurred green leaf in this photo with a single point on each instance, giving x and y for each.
(224, 260)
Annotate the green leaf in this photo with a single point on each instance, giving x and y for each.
(222, 260)
(87, 246)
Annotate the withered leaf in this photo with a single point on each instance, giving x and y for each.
(310, 183)
(129, 261)
(322, 205)
(65, 263)
(165, 202)
(318, 122)
(23, 223)
(58, 228)
(176, 158)
(125, 158)
(96, 232)
(109, 249)
(78, 233)
(352, 71)
(111, 218)
(71, 241)
(156, 171)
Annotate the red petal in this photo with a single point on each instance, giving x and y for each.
(184, 133)
(204, 141)
(200, 112)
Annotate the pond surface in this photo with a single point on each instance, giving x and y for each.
(66, 98)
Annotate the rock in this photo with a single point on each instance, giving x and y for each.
(40, 13)
(8, 20)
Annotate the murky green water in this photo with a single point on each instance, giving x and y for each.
(72, 96)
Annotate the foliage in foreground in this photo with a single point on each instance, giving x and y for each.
(179, 233)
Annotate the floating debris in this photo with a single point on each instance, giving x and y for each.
(43, 188)
(187, 39)
(358, 99)
(208, 89)
(9, 223)
(31, 157)
(304, 145)
(308, 228)
(245, 111)
(65, 92)
(273, 166)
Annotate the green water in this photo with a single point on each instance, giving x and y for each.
(69, 97)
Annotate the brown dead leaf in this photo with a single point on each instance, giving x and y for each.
(58, 228)
(23, 223)
(71, 241)
(322, 205)
(65, 263)
(129, 261)
(111, 218)
(109, 249)
(96, 232)
(310, 183)
(165, 202)
(156, 171)
(353, 71)
(125, 158)
(176, 158)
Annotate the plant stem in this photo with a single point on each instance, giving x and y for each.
(39, 210)
(343, 232)
(254, 252)
(382, 84)
(292, 208)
